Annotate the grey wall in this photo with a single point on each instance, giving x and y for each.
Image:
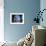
(29, 8)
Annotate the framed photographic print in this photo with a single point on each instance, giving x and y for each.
(16, 18)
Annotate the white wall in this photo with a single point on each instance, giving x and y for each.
(43, 6)
(1, 21)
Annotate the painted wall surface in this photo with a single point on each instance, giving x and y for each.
(1, 21)
(29, 8)
(43, 6)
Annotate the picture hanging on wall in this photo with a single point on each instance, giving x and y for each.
(16, 18)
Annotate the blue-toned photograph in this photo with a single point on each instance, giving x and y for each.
(17, 18)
